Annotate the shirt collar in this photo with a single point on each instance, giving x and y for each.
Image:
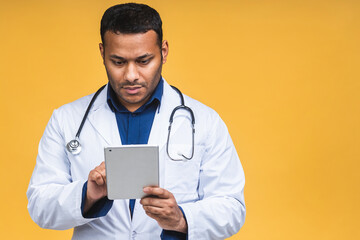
(115, 105)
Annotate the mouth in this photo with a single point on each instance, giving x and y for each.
(131, 90)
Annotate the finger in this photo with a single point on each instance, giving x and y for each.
(156, 191)
(99, 179)
(96, 177)
(154, 201)
(154, 211)
(101, 169)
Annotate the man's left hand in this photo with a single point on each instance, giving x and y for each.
(161, 205)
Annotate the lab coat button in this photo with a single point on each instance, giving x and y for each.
(133, 235)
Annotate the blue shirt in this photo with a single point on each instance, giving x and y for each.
(134, 128)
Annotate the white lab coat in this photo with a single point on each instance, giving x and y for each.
(209, 188)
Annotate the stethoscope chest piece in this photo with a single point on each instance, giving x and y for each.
(74, 146)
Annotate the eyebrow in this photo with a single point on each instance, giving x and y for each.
(145, 56)
(117, 57)
(140, 57)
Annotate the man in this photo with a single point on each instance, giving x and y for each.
(201, 198)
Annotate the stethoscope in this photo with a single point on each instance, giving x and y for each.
(74, 145)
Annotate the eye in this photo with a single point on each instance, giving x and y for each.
(144, 62)
(118, 63)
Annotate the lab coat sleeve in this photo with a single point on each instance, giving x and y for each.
(54, 200)
(220, 212)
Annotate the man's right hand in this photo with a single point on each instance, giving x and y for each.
(96, 186)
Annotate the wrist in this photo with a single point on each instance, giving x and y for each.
(89, 201)
(88, 204)
(182, 226)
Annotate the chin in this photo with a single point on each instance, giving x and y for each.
(133, 100)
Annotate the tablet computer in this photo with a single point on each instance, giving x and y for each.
(129, 169)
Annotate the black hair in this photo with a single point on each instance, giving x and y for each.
(131, 18)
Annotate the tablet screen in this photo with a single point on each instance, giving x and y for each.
(129, 169)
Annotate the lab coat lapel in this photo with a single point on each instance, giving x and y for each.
(104, 121)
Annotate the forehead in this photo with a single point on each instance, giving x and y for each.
(132, 44)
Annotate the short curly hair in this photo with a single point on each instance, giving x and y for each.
(131, 18)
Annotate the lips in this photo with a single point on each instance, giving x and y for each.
(131, 90)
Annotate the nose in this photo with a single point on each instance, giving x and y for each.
(131, 72)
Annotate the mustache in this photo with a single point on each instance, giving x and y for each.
(134, 83)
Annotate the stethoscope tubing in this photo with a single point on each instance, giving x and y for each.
(88, 110)
(74, 145)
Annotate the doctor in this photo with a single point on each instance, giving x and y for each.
(201, 198)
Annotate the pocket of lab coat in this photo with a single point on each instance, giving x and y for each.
(182, 177)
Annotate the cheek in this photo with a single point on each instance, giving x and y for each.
(152, 73)
(114, 75)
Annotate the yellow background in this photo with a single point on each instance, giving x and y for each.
(284, 76)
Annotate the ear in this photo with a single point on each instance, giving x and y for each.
(164, 50)
(102, 50)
